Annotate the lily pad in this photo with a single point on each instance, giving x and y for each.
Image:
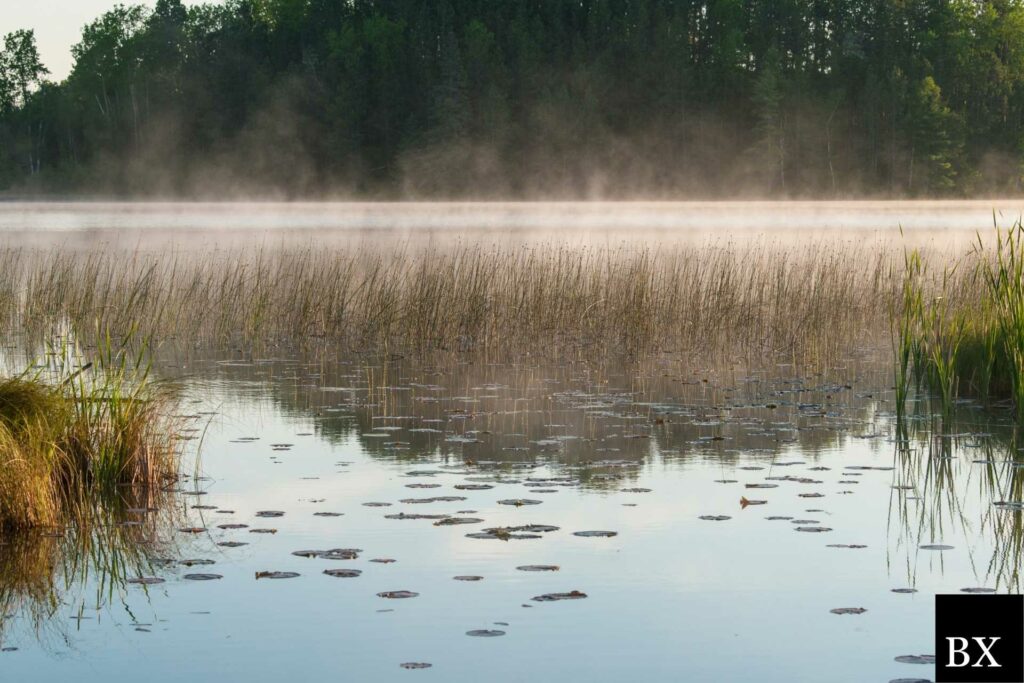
(714, 518)
(519, 502)
(554, 597)
(343, 573)
(538, 568)
(270, 513)
(276, 575)
(485, 633)
(415, 665)
(595, 534)
(146, 580)
(848, 610)
(468, 578)
(915, 659)
(195, 563)
(452, 521)
(202, 577)
(498, 536)
(397, 595)
(813, 529)
(936, 546)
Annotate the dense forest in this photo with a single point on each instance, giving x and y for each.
(524, 99)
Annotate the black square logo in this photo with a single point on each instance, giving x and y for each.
(979, 639)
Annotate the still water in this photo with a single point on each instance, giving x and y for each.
(740, 506)
(646, 452)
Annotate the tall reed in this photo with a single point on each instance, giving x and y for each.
(963, 331)
(760, 300)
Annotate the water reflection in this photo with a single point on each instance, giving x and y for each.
(611, 474)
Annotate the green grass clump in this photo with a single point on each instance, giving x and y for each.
(75, 437)
(962, 333)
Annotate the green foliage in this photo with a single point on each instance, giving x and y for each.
(530, 98)
(964, 333)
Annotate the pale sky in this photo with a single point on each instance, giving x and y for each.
(58, 25)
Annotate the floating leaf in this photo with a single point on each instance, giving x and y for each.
(343, 573)
(554, 597)
(146, 580)
(276, 575)
(452, 521)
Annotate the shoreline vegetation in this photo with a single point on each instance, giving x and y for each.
(79, 440)
(959, 331)
(532, 99)
(760, 301)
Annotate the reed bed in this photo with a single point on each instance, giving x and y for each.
(959, 331)
(758, 300)
(75, 436)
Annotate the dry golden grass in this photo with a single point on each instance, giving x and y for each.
(72, 439)
(758, 300)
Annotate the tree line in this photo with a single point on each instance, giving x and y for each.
(525, 99)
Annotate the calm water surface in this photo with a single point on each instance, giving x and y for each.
(647, 451)
(670, 597)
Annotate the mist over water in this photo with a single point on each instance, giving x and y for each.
(950, 223)
(741, 496)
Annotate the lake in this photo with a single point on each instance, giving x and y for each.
(655, 517)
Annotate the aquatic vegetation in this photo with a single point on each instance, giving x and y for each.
(757, 300)
(963, 331)
(75, 434)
